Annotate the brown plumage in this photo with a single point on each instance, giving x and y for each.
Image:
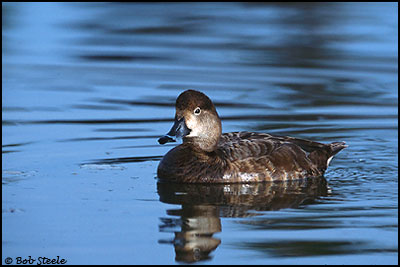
(207, 156)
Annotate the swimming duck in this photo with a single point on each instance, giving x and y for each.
(208, 156)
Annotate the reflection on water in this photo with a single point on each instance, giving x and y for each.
(203, 205)
(198, 224)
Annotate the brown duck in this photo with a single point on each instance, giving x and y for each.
(208, 156)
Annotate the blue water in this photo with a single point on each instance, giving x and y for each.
(88, 88)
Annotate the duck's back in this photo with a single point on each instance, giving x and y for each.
(261, 156)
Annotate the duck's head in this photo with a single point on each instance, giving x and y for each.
(196, 121)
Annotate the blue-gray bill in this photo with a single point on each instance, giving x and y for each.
(179, 129)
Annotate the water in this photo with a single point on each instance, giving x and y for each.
(89, 88)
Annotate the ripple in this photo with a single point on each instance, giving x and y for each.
(307, 248)
(107, 161)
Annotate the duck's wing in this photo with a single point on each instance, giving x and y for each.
(242, 145)
(312, 146)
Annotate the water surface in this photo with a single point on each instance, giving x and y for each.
(89, 88)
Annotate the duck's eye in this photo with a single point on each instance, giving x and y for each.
(197, 111)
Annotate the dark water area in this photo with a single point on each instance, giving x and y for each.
(88, 88)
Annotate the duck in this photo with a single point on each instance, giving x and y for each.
(207, 155)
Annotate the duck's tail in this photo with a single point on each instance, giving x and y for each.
(335, 148)
(322, 156)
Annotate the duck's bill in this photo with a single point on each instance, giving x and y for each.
(166, 139)
(179, 129)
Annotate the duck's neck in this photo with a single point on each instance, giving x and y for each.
(202, 144)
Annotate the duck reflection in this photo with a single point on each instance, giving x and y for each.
(202, 206)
